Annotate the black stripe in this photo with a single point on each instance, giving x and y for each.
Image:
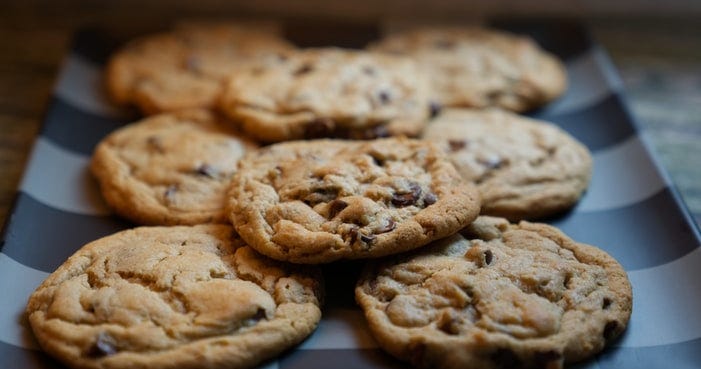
(648, 233)
(16, 357)
(94, 44)
(565, 38)
(42, 237)
(322, 33)
(339, 359)
(598, 126)
(74, 129)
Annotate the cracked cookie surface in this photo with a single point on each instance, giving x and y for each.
(186, 68)
(165, 297)
(509, 296)
(325, 200)
(477, 67)
(170, 169)
(329, 92)
(524, 168)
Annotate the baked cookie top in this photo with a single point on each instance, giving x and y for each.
(170, 169)
(324, 200)
(524, 168)
(329, 92)
(477, 67)
(511, 295)
(165, 297)
(186, 68)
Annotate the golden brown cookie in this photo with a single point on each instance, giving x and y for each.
(524, 168)
(478, 67)
(173, 297)
(329, 92)
(325, 200)
(171, 168)
(509, 296)
(186, 68)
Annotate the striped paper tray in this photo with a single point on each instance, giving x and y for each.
(630, 209)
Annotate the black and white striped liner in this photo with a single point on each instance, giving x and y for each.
(630, 210)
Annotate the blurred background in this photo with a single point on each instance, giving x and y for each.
(655, 45)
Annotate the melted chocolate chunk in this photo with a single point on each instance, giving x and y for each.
(434, 109)
(488, 257)
(456, 145)
(493, 162)
(318, 128)
(610, 330)
(335, 207)
(430, 199)
(302, 70)
(367, 239)
(353, 234)
(390, 226)
(206, 170)
(384, 97)
(103, 346)
(409, 198)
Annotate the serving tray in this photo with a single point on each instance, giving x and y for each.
(631, 210)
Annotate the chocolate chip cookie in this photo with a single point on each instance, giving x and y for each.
(477, 67)
(166, 297)
(509, 296)
(324, 200)
(186, 68)
(329, 92)
(170, 169)
(524, 168)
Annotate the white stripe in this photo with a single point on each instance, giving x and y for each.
(80, 84)
(340, 329)
(17, 282)
(61, 179)
(588, 83)
(623, 175)
(666, 303)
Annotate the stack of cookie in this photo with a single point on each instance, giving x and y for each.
(265, 160)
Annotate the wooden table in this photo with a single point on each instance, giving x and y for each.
(660, 63)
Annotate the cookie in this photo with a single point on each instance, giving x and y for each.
(509, 296)
(186, 68)
(524, 168)
(170, 169)
(328, 92)
(477, 67)
(166, 297)
(324, 200)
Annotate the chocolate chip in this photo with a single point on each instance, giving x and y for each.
(456, 145)
(606, 303)
(378, 161)
(543, 358)
(353, 234)
(390, 226)
(444, 44)
(335, 207)
(384, 97)
(488, 257)
(434, 109)
(367, 239)
(193, 64)
(409, 198)
(103, 346)
(610, 330)
(318, 128)
(206, 170)
(170, 192)
(505, 359)
(430, 199)
(154, 143)
(302, 70)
